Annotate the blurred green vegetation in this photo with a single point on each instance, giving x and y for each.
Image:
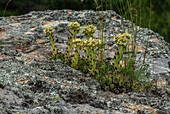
(160, 14)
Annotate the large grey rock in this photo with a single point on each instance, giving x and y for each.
(28, 85)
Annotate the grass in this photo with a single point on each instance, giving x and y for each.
(0, 43)
(6, 7)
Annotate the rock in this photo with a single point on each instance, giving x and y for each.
(30, 83)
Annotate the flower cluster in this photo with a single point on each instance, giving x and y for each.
(48, 30)
(122, 39)
(78, 42)
(86, 43)
(90, 46)
(92, 42)
(74, 26)
(88, 31)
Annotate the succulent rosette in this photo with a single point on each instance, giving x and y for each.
(126, 36)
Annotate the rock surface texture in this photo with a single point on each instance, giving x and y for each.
(30, 83)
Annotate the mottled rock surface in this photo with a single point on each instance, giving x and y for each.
(30, 83)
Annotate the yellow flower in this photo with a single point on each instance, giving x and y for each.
(126, 35)
(116, 38)
(74, 26)
(78, 42)
(122, 42)
(48, 30)
(122, 39)
(88, 30)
